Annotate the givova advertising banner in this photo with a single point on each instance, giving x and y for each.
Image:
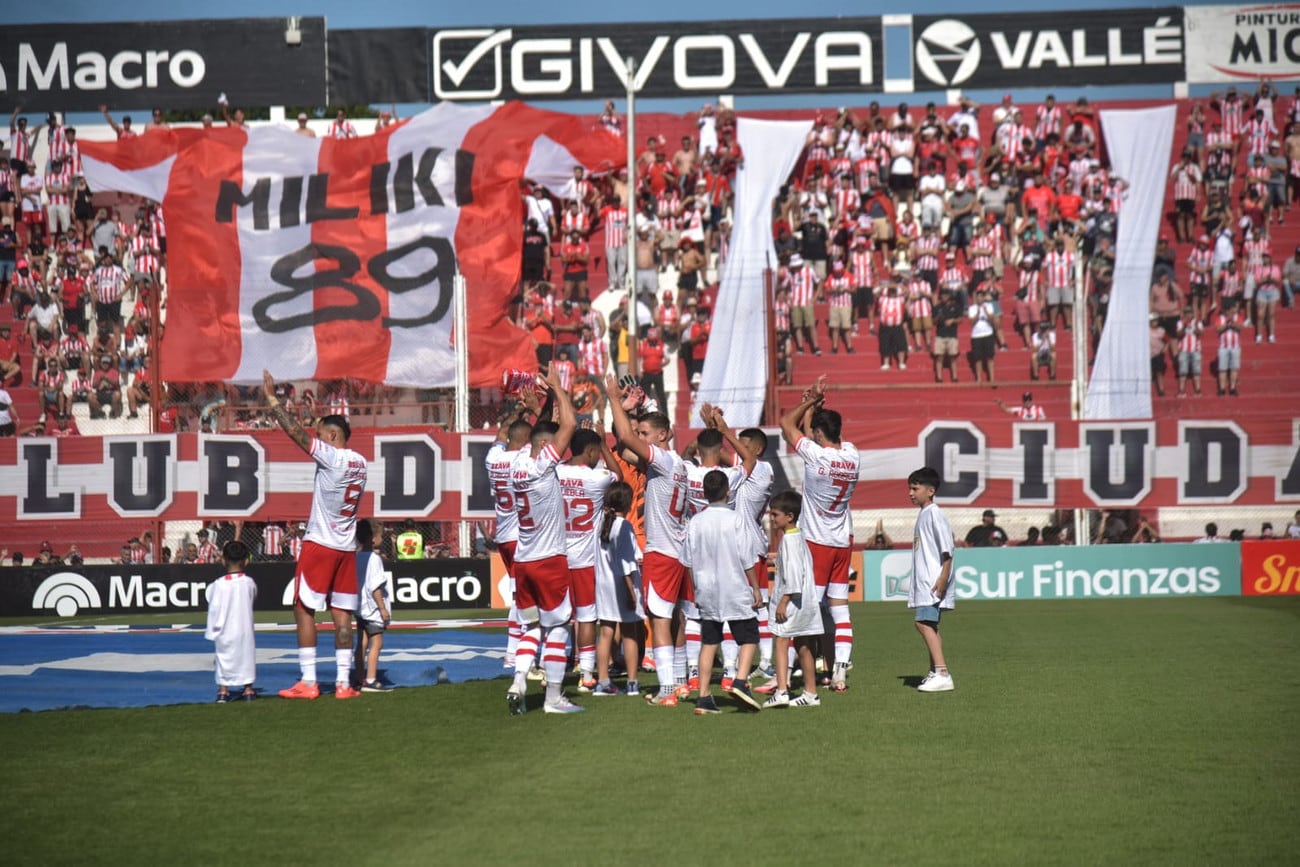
(670, 59)
(161, 64)
(64, 591)
(1242, 44)
(1048, 49)
(1055, 572)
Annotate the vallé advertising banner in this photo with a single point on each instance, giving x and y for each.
(1051, 49)
(1054, 572)
(162, 64)
(1242, 44)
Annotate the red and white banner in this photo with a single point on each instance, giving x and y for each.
(321, 258)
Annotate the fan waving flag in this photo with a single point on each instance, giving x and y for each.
(330, 258)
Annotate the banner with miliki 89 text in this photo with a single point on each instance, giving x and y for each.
(331, 258)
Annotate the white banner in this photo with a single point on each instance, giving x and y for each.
(735, 369)
(1140, 143)
(1242, 43)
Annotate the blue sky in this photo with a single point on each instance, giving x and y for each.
(399, 13)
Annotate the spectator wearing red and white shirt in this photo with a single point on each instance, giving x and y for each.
(58, 189)
(862, 268)
(575, 253)
(803, 292)
(208, 552)
(920, 310)
(1029, 301)
(1257, 133)
(838, 288)
(1058, 270)
(1231, 111)
(564, 368)
(1027, 411)
(593, 354)
(847, 200)
(1189, 352)
(109, 281)
(143, 252)
(273, 538)
(123, 131)
(1048, 120)
(1229, 326)
(22, 143)
(342, 127)
(1268, 292)
(891, 312)
(1187, 178)
(614, 218)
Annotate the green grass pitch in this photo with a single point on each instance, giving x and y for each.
(1089, 732)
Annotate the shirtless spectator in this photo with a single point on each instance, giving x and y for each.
(685, 158)
(302, 129)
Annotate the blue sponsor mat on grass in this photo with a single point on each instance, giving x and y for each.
(137, 669)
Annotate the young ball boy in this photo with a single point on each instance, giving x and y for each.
(795, 615)
(716, 558)
(932, 588)
(374, 613)
(230, 625)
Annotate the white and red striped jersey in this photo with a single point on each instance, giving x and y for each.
(1257, 179)
(295, 546)
(841, 165)
(272, 540)
(594, 356)
(1253, 251)
(579, 221)
(781, 313)
(829, 477)
(21, 144)
(58, 141)
(1217, 139)
(582, 191)
(970, 177)
(920, 299)
(498, 463)
(540, 502)
(565, 371)
(867, 171)
(1029, 280)
(1080, 166)
(1231, 112)
(1187, 180)
(62, 178)
(1229, 338)
(954, 277)
(981, 252)
(338, 404)
(142, 249)
(803, 286)
(336, 495)
(1049, 121)
(208, 552)
(665, 503)
(1059, 268)
(342, 129)
(1189, 336)
(1229, 283)
(1267, 274)
(584, 490)
(1033, 412)
(692, 224)
(907, 231)
(839, 290)
(847, 201)
(925, 251)
(139, 555)
(1199, 263)
(615, 219)
(1258, 134)
(862, 265)
(73, 344)
(892, 309)
(109, 282)
(668, 208)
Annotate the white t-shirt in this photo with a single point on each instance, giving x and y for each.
(6, 417)
(696, 501)
(931, 538)
(336, 495)
(540, 503)
(618, 558)
(982, 315)
(230, 628)
(665, 502)
(717, 554)
(370, 577)
(829, 477)
(30, 188)
(751, 503)
(932, 187)
(794, 576)
(584, 510)
(498, 462)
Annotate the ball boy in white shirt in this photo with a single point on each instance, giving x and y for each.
(795, 615)
(374, 613)
(932, 588)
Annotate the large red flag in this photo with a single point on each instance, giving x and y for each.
(325, 258)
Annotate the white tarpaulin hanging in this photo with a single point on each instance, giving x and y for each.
(1139, 143)
(735, 369)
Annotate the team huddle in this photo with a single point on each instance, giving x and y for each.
(618, 535)
(566, 533)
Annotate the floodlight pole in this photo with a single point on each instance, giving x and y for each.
(460, 421)
(632, 363)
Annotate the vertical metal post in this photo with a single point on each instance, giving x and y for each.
(461, 421)
(632, 364)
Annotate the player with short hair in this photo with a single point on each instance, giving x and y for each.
(931, 589)
(512, 438)
(584, 485)
(795, 614)
(326, 574)
(830, 477)
(230, 624)
(542, 588)
(665, 585)
(374, 612)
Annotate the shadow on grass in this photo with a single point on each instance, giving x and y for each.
(911, 681)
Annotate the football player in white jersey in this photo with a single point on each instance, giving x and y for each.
(512, 438)
(326, 574)
(829, 478)
(541, 566)
(584, 485)
(663, 575)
